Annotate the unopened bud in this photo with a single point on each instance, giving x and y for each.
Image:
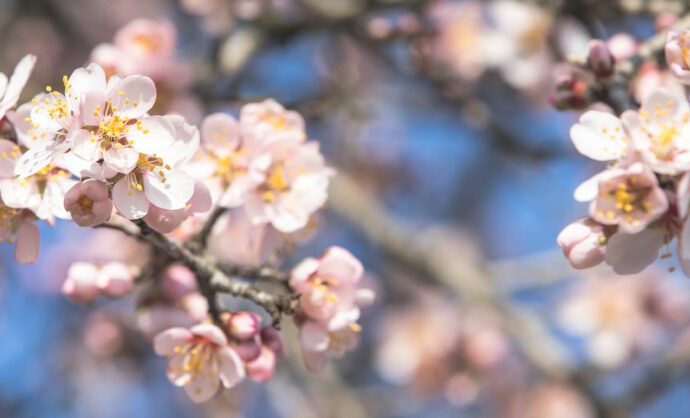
(600, 60)
(244, 325)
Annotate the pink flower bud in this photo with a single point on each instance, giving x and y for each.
(244, 325)
(89, 203)
(583, 243)
(248, 350)
(177, 282)
(115, 279)
(599, 59)
(271, 338)
(571, 93)
(622, 46)
(196, 306)
(81, 285)
(261, 369)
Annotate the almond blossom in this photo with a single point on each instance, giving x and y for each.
(89, 203)
(583, 243)
(630, 198)
(19, 225)
(199, 358)
(660, 131)
(329, 305)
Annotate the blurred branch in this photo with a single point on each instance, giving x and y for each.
(211, 279)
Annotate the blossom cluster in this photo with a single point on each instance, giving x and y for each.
(93, 152)
(639, 203)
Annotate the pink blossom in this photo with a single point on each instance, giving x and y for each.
(265, 119)
(156, 177)
(622, 46)
(599, 59)
(43, 192)
(89, 203)
(115, 279)
(271, 338)
(294, 184)
(248, 350)
(583, 243)
(166, 221)
(178, 281)
(323, 340)
(82, 283)
(12, 89)
(244, 325)
(146, 47)
(199, 358)
(678, 54)
(660, 131)
(327, 285)
(630, 198)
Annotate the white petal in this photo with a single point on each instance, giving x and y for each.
(134, 206)
(122, 160)
(28, 240)
(85, 147)
(165, 343)
(171, 195)
(231, 367)
(599, 136)
(588, 190)
(155, 135)
(133, 96)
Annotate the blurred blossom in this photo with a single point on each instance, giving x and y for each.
(431, 345)
(102, 335)
(619, 317)
(552, 400)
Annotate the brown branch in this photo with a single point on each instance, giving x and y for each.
(199, 241)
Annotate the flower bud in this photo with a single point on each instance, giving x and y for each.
(571, 93)
(271, 338)
(583, 243)
(599, 59)
(177, 282)
(81, 285)
(115, 279)
(261, 368)
(244, 325)
(248, 350)
(89, 203)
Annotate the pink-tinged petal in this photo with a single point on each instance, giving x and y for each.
(341, 265)
(115, 279)
(231, 367)
(172, 194)
(133, 96)
(17, 82)
(301, 273)
(201, 200)
(167, 341)
(211, 333)
(314, 337)
(203, 386)
(6, 159)
(28, 240)
(85, 146)
(155, 135)
(164, 221)
(683, 195)
(134, 206)
(315, 361)
(19, 194)
(599, 136)
(261, 369)
(220, 131)
(632, 253)
(123, 160)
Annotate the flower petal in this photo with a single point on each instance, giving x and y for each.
(28, 240)
(165, 343)
(122, 160)
(172, 194)
(632, 253)
(599, 136)
(231, 367)
(133, 96)
(131, 206)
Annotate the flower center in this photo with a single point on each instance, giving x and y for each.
(276, 182)
(85, 204)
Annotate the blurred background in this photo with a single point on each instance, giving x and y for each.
(456, 174)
